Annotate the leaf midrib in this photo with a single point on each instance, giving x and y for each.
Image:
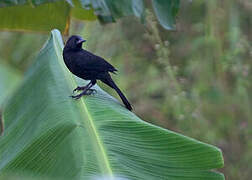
(71, 80)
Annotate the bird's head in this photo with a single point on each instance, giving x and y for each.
(74, 42)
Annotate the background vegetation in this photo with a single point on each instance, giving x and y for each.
(195, 80)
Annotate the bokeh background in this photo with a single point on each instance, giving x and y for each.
(195, 80)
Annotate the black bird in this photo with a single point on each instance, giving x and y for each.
(88, 66)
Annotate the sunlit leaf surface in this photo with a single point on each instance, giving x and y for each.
(41, 15)
(40, 18)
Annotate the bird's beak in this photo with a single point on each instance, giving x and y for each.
(81, 41)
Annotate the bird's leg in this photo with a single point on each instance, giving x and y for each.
(82, 87)
(78, 88)
(87, 91)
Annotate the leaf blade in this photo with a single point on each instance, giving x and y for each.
(45, 17)
(102, 137)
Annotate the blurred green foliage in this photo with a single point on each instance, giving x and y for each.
(45, 15)
(195, 80)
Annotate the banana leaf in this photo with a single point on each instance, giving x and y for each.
(49, 135)
(44, 15)
(40, 15)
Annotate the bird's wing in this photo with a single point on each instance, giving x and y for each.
(91, 62)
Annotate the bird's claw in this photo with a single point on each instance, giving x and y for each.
(75, 89)
(76, 97)
(78, 88)
(92, 91)
(87, 92)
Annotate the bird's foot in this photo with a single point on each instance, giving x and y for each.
(86, 92)
(91, 91)
(76, 97)
(80, 88)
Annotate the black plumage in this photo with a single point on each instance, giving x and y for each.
(88, 66)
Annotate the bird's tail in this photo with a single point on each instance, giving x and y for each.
(109, 81)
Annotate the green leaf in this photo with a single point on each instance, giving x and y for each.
(48, 134)
(49, 14)
(80, 13)
(36, 18)
(109, 10)
(125, 7)
(166, 12)
(9, 80)
(41, 15)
